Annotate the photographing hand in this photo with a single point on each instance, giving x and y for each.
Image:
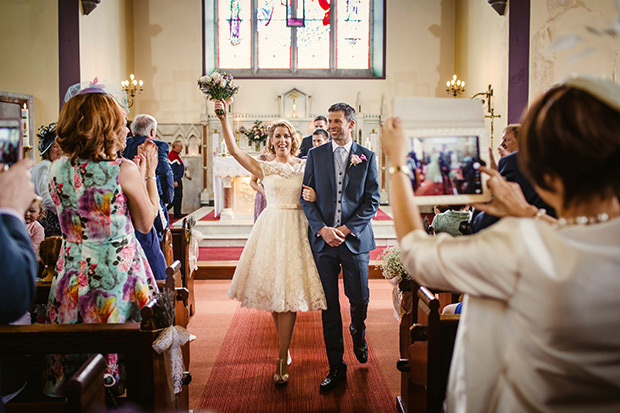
(17, 190)
(508, 199)
(393, 141)
(308, 194)
(332, 236)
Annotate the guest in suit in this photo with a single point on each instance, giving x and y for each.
(508, 167)
(145, 127)
(540, 326)
(178, 169)
(344, 178)
(19, 262)
(320, 122)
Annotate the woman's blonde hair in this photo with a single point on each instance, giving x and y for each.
(291, 130)
(91, 126)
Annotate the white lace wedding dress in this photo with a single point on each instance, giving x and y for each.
(276, 271)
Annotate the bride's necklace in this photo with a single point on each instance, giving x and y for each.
(583, 220)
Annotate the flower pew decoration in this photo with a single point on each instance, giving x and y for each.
(356, 160)
(393, 270)
(218, 86)
(257, 134)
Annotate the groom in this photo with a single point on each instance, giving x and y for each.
(344, 177)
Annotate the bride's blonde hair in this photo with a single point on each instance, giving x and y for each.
(291, 130)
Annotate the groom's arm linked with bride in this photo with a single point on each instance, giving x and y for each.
(344, 177)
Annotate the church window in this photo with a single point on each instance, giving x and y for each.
(295, 38)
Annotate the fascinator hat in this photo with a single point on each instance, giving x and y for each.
(94, 86)
(46, 135)
(600, 88)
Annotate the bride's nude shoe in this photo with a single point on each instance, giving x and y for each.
(280, 377)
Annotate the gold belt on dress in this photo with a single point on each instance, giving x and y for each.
(288, 206)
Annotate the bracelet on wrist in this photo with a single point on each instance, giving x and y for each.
(150, 177)
(540, 213)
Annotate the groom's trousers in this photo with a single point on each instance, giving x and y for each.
(355, 277)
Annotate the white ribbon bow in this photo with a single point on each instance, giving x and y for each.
(170, 341)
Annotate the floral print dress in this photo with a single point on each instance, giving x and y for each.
(102, 275)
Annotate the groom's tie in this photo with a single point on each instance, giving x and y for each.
(339, 158)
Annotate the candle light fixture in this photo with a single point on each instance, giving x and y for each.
(455, 86)
(132, 87)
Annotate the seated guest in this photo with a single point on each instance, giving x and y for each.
(510, 140)
(320, 122)
(450, 220)
(144, 127)
(103, 275)
(508, 167)
(35, 230)
(49, 151)
(19, 262)
(540, 326)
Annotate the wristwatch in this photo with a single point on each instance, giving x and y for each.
(401, 168)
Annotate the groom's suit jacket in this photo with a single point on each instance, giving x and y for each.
(360, 196)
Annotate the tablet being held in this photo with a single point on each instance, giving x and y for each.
(444, 138)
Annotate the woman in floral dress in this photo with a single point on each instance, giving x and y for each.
(102, 275)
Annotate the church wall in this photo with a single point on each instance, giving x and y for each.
(593, 54)
(29, 50)
(106, 42)
(168, 56)
(481, 56)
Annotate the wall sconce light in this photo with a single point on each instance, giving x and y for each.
(131, 88)
(455, 86)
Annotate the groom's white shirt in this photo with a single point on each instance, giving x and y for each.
(347, 147)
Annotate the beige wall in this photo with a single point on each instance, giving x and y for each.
(552, 20)
(106, 42)
(168, 56)
(481, 55)
(29, 50)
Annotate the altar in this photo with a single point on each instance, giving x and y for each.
(233, 196)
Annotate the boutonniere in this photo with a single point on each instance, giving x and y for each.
(356, 160)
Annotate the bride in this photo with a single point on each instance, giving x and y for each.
(276, 271)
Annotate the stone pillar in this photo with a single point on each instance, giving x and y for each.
(227, 213)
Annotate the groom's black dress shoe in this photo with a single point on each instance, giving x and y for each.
(334, 377)
(361, 352)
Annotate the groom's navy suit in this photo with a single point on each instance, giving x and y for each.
(359, 203)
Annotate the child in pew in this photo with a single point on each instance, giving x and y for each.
(35, 212)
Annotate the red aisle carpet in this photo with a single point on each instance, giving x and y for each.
(241, 378)
(233, 253)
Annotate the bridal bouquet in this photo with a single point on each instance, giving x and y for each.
(257, 134)
(218, 86)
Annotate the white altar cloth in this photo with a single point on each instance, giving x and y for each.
(224, 168)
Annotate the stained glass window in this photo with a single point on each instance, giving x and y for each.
(296, 38)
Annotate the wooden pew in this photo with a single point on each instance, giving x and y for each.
(85, 390)
(425, 363)
(166, 246)
(181, 239)
(146, 377)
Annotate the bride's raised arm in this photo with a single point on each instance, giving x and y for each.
(249, 163)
